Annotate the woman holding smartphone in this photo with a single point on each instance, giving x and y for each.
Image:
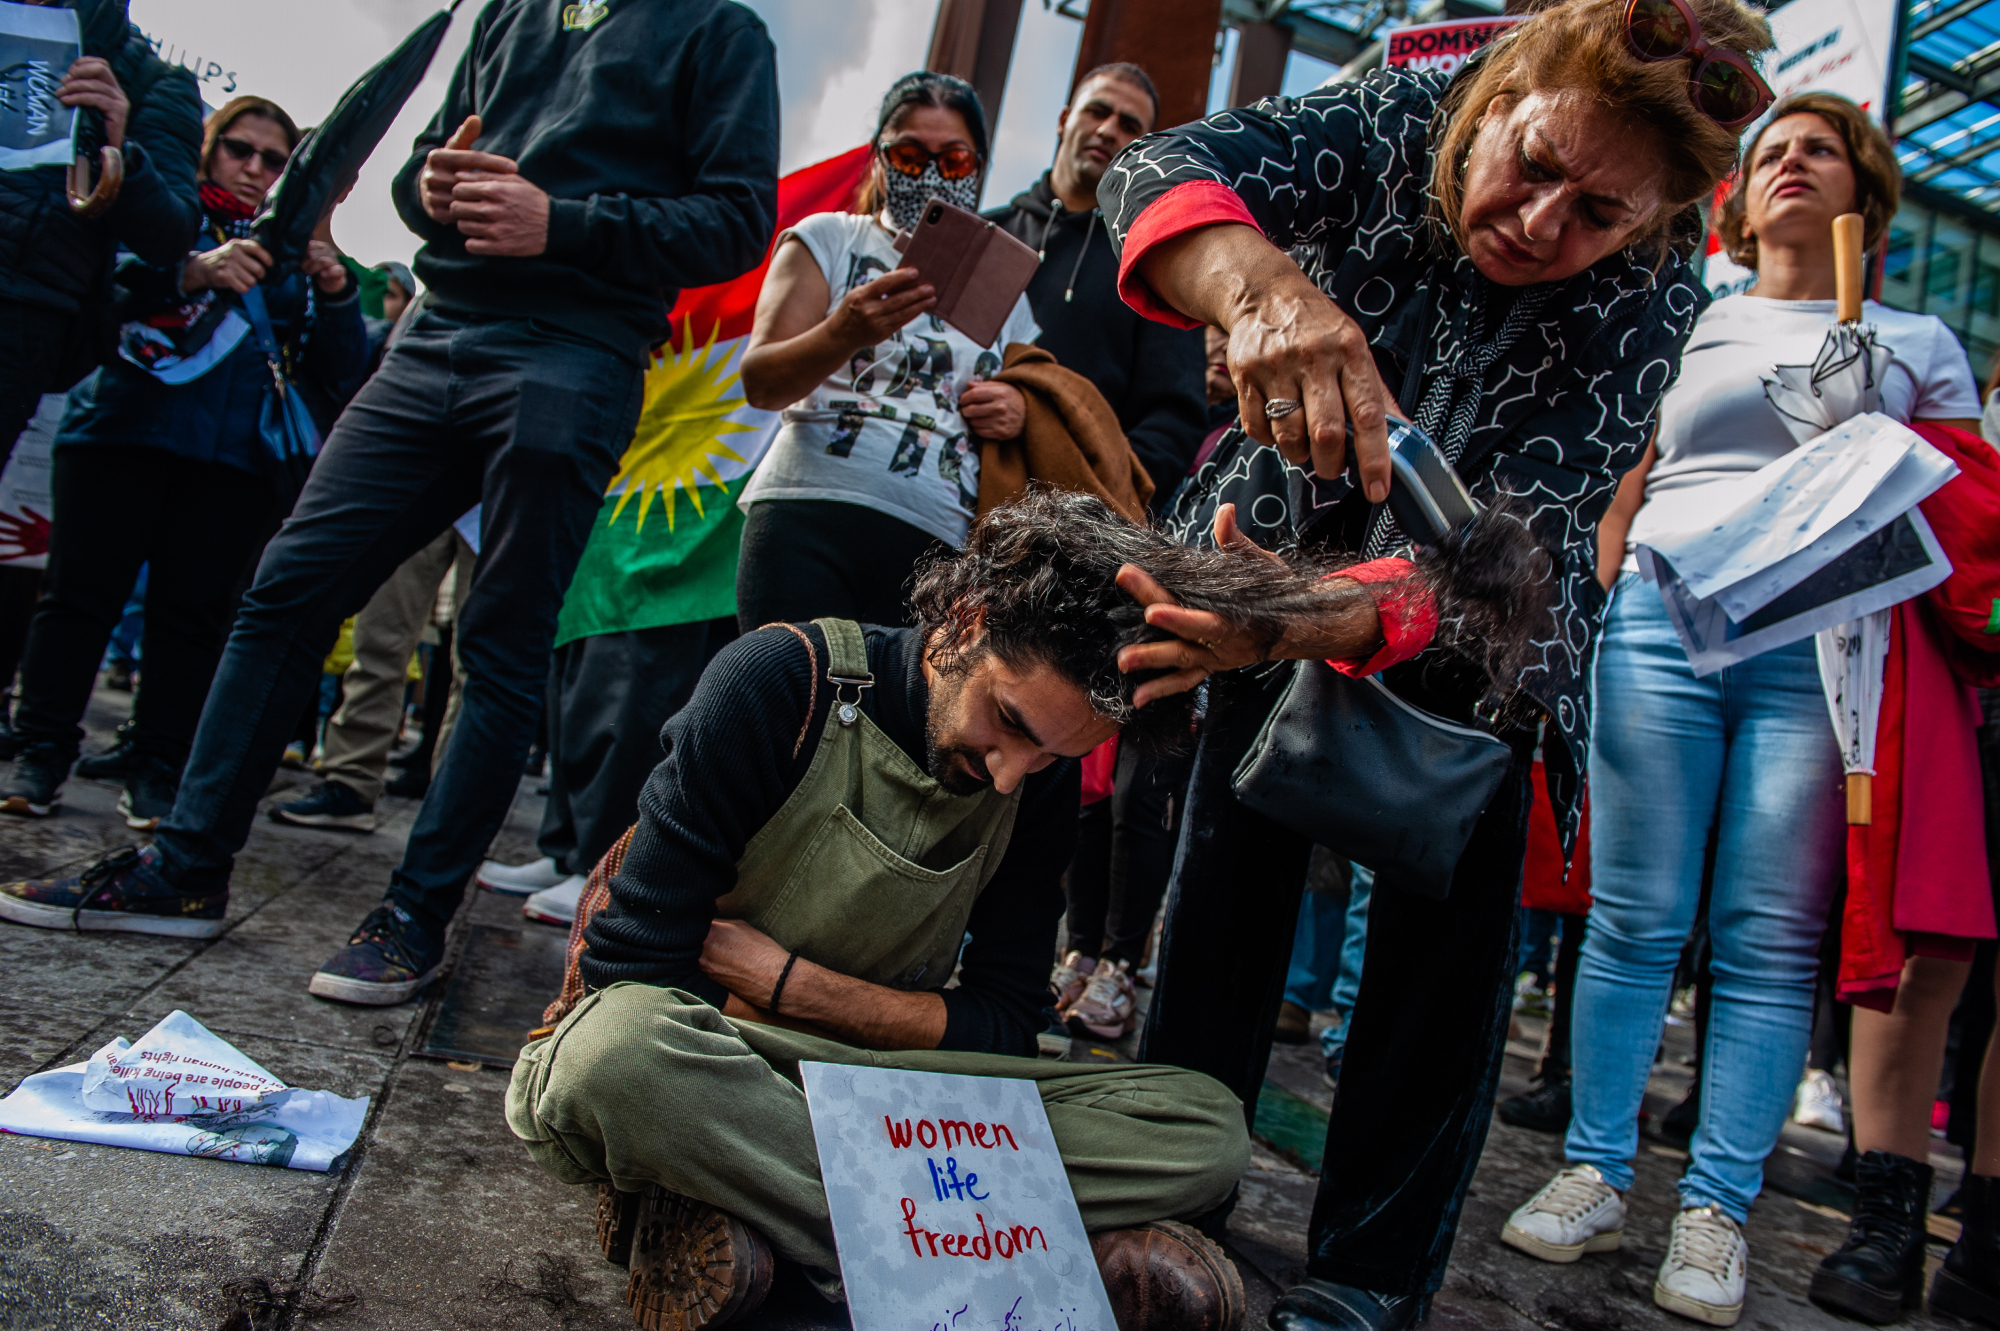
(884, 404)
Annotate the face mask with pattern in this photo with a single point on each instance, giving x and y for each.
(907, 195)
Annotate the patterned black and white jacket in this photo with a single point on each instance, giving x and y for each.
(1340, 179)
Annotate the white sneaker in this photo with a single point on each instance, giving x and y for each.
(1818, 1102)
(1578, 1212)
(556, 905)
(1704, 1273)
(519, 879)
(1068, 979)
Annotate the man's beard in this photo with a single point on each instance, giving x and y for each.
(971, 778)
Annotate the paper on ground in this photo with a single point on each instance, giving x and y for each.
(184, 1091)
(1800, 512)
(951, 1208)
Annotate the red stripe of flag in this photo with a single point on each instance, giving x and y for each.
(728, 308)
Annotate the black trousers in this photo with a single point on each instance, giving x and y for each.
(818, 558)
(1125, 856)
(33, 342)
(198, 524)
(1569, 950)
(1428, 1029)
(527, 421)
(608, 697)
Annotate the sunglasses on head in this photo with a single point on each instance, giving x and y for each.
(1723, 85)
(242, 150)
(911, 158)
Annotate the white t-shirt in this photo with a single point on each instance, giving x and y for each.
(883, 431)
(1716, 425)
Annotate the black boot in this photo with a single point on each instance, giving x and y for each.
(1968, 1284)
(1544, 1109)
(1879, 1271)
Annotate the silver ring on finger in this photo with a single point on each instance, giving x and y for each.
(1277, 408)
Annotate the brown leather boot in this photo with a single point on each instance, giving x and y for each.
(617, 1217)
(1166, 1277)
(694, 1266)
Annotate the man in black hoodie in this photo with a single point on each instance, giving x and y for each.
(589, 161)
(1149, 373)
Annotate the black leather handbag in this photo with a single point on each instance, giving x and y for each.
(1351, 766)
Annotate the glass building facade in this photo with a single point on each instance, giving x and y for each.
(1943, 258)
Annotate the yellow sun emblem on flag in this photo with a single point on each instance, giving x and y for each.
(689, 397)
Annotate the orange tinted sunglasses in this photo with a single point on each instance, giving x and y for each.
(910, 158)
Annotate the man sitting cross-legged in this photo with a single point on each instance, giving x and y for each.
(841, 809)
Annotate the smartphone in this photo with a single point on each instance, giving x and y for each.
(977, 269)
(1425, 494)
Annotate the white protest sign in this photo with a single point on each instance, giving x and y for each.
(37, 47)
(26, 503)
(951, 1210)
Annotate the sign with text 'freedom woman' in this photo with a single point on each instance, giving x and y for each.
(951, 1210)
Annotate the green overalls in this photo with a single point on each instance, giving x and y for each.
(871, 868)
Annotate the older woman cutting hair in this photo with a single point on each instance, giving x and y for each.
(1500, 251)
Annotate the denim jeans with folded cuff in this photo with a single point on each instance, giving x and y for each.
(1749, 754)
(525, 419)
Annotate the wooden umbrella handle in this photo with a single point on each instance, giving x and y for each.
(1847, 266)
(89, 200)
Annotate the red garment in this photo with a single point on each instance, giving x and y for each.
(1550, 881)
(1182, 209)
(1917, 875)
(1406, 608)
(1099, 766)
(1965, 514)
(219, 202)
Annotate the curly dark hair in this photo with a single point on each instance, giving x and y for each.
(1043, 569)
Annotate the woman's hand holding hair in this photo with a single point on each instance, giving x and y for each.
(1205, 642)
(1287, 343)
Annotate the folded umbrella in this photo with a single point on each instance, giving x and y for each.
(103, 27)
(330, 158)
(1852, 656)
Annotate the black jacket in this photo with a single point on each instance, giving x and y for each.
(655, 133)
(730, 767)
(1152, 375)
(1339, 178)
(53, 259)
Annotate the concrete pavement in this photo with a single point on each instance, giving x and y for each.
(439, 1220)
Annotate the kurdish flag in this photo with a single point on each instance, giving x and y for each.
(663, 550)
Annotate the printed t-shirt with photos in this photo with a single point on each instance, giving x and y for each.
(883, 431)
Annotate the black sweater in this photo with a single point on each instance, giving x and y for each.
(1152, 375)
(655, 133)
(729, 766)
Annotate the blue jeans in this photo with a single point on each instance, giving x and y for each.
(1316, 945)
(1353, 951)
(1749, 755)
(528, 421)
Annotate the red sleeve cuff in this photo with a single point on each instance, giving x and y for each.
(1405, 606)
(1182, 209)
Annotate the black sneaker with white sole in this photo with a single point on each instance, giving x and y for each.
(124, 892)
(387, 961)
(149, 794)
(35, 787)
(331, 804)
